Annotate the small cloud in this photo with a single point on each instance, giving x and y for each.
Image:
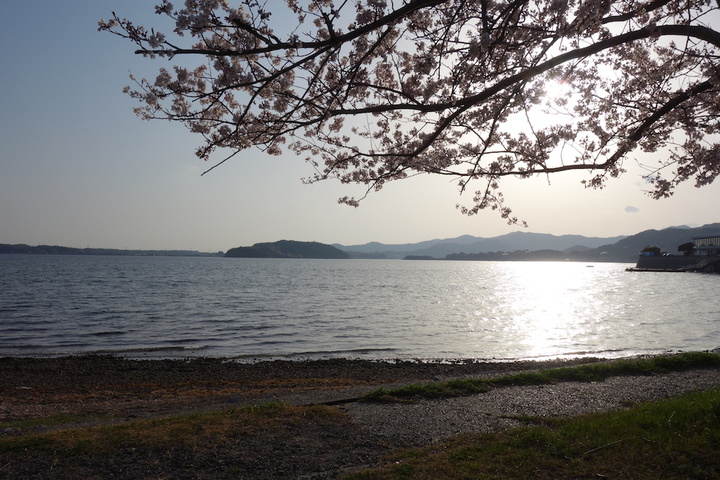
(631, 209)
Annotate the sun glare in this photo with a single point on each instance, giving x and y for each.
(546, 315)
(558, 92)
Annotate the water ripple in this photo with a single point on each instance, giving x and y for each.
(271, 308)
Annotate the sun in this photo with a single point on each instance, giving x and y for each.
(557, 92)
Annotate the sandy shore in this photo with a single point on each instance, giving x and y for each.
(123, 390)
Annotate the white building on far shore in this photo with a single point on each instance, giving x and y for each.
(707, 245)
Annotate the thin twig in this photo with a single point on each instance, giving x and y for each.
(608, 444)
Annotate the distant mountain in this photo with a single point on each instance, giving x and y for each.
(572, 247)
(511, 242)
(625, 250)
(287, 249)
(668, 239)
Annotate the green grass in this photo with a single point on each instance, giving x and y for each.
(190, 430)
(53, 420)
(677, 438)
(584, 373)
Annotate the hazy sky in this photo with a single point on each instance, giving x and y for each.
(77, 168)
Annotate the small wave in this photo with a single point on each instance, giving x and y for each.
(604, 354)
(109, 333)
(174, 342)
(21, 331)
(16, 307)
(349, 353)
(25, 347)
(138, 352)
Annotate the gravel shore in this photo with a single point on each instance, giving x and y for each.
(123, 389)
(41, 386)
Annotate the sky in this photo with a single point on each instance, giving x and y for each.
(79, 169)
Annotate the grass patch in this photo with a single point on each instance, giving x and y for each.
(53, 420)
(582, 373)
(184, 431)
(675, 438)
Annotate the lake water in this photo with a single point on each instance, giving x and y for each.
(248, 309)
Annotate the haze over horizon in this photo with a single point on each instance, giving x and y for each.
(80, 170)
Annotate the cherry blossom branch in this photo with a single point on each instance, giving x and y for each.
(449, 87)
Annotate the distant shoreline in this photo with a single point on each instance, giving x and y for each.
(517, 256)
(516, 246)
(60, 250)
